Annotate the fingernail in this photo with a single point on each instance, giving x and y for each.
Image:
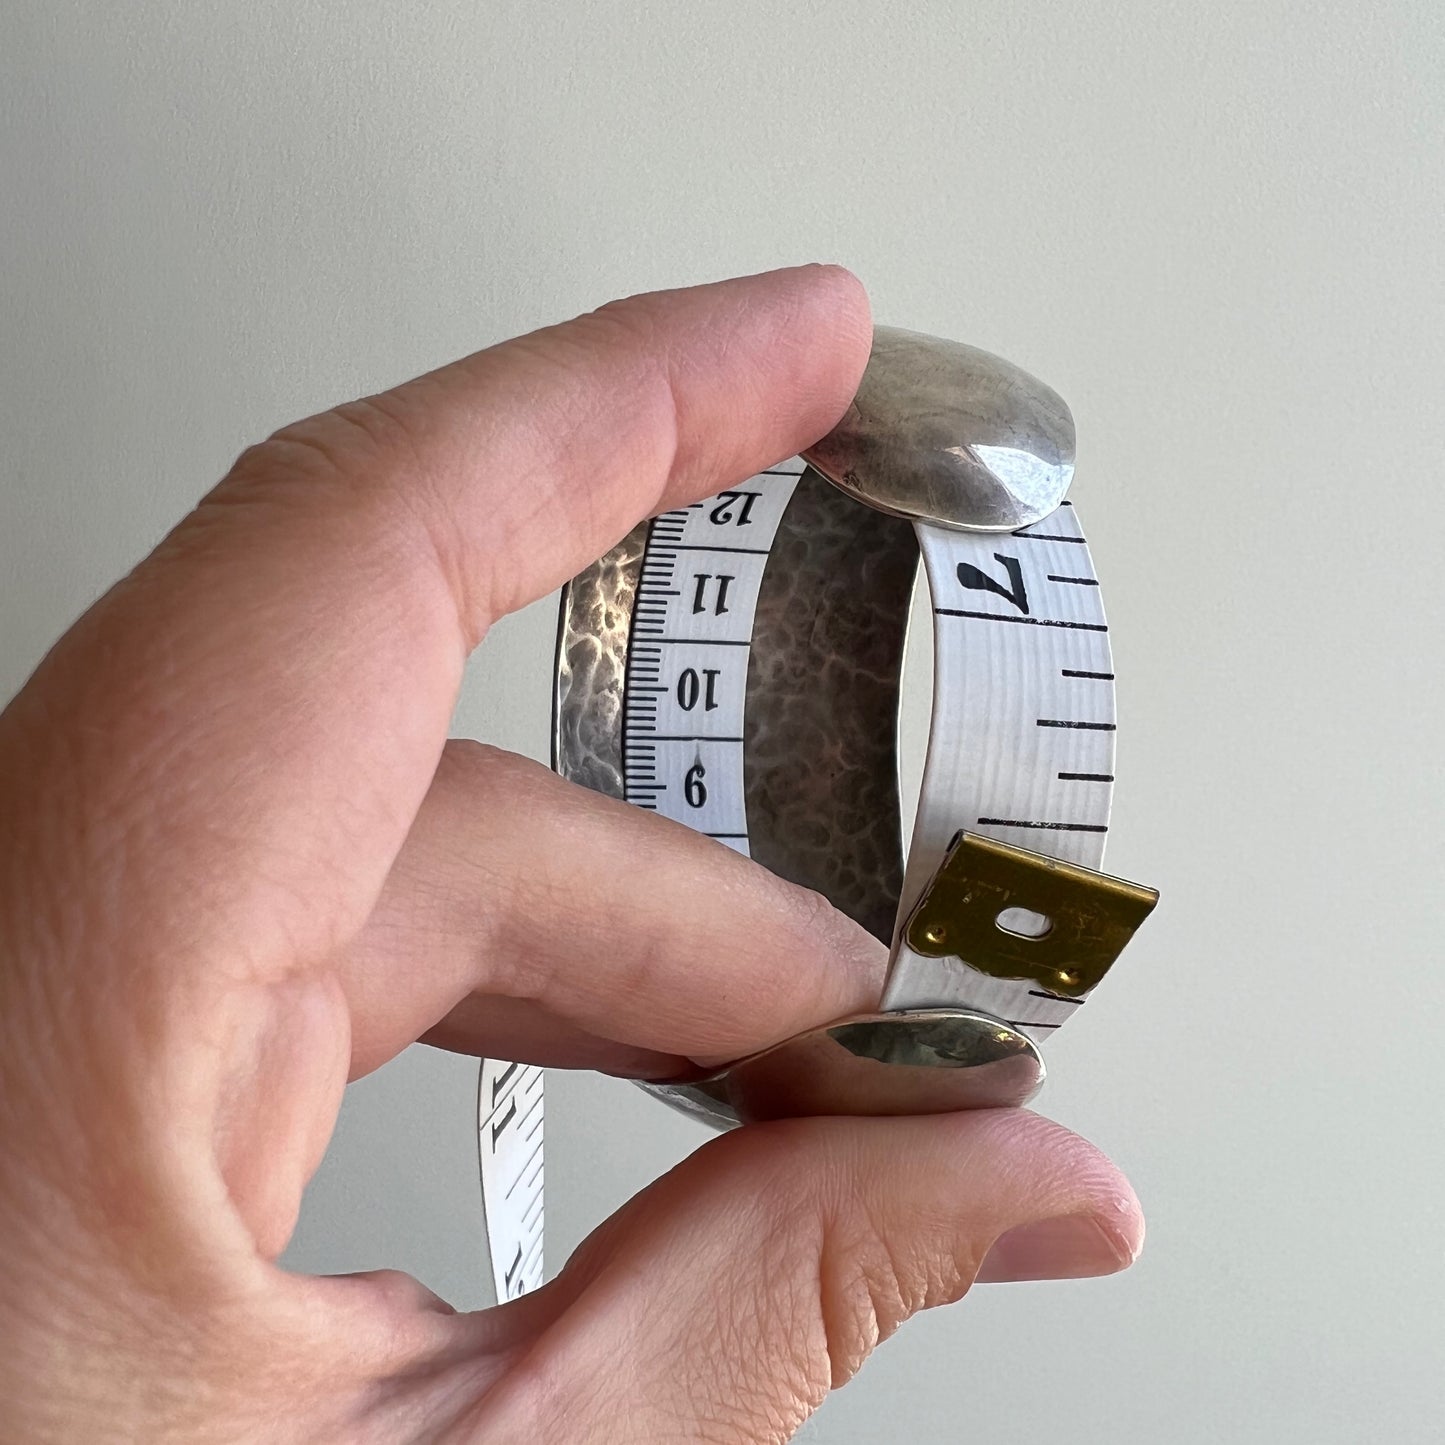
(1074, 1246)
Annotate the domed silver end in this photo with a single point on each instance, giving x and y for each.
(916, 1061)
(942, 432)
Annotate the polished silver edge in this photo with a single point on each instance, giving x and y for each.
(912, 1061)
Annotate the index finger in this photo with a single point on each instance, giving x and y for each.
(277, 679)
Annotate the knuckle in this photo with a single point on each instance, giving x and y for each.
(850, 1258)
(632, 321)
(368, 468)
(867, 1287)
(829, 1270)
(812, 911)
(810, 920)
(476, 765)
(355, 446)
(632, 339)
(349, 437)
(851, 958)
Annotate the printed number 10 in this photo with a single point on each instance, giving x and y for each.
(691, 687)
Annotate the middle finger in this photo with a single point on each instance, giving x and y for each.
(625, 927)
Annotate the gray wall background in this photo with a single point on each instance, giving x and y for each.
(1215, 228)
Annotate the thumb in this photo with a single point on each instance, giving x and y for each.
(725, 1301)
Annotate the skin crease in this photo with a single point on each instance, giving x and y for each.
(240, 863)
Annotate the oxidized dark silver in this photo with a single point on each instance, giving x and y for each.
(820, 727)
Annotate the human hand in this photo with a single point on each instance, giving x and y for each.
(242, 863)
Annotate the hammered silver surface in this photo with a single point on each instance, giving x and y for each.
(820, 762)
(592, 633)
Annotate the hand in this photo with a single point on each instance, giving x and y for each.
(242, 864)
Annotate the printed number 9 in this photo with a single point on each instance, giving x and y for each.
(693, 787)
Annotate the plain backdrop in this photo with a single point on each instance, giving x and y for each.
(1215, 228)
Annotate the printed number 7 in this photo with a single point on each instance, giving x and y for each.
(977, 581)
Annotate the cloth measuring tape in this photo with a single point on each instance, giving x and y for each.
(735, 666)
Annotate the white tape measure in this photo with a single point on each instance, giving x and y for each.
(735, 665)
(509, 1110)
